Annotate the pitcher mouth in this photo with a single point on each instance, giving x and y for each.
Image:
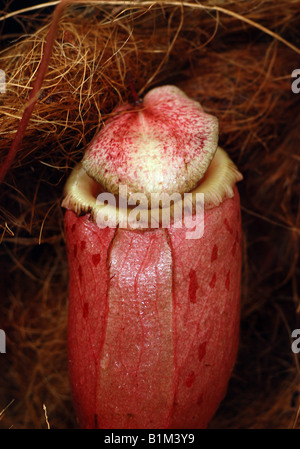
(83, 195)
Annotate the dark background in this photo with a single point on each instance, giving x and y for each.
(10, 28)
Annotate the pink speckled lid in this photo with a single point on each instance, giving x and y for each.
(164, 145)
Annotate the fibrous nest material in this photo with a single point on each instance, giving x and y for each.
(236, 58)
